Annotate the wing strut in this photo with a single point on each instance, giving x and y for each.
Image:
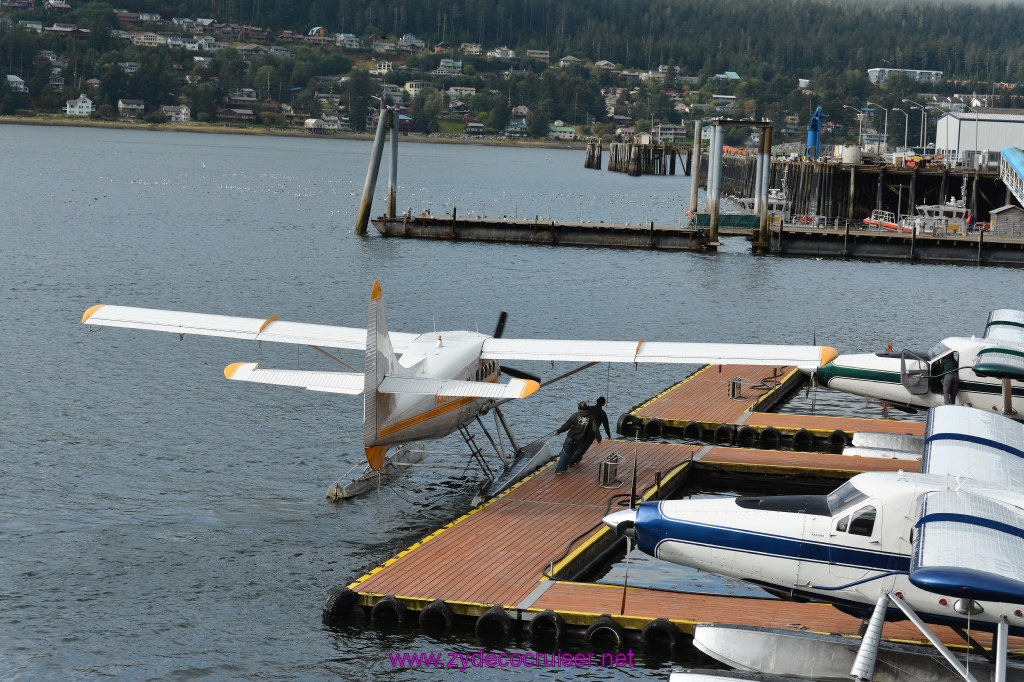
(864, 665)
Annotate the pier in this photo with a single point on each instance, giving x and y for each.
(520, 561)
(550, 232)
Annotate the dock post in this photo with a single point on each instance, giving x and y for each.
(393, 171)
(715, 180)
(766, 178)
(911, 205)
(757, 176)
(371, 173)
(881, 186)
(974, 196)
(853, 187)
(695, 166)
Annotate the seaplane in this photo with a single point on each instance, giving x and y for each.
(984, 369)
(441, 383)
(942, 546)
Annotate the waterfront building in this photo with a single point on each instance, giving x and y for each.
(975, 137)
(130, 108)
(177, 114)
(83, 106)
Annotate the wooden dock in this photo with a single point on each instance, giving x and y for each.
(854, 242)
(526, 550)
(549, 232)
(731, 403)
(517, 551)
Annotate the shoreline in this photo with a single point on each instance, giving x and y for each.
(212, 129)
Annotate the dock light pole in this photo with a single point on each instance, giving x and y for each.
(885, 133)
(906, 125)
(924, 119)
(860, 125)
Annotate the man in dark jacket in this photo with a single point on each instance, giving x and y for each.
(600, 418)
(581, 427)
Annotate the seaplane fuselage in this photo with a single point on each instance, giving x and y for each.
(915, 379)
(846, 548)
(451, 355)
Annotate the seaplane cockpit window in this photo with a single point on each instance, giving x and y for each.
(937, 350)
(843, 525)
(843, 496)
(863, 521)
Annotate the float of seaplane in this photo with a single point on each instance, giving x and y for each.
(943, 546)
(441, 383)
(983, 371)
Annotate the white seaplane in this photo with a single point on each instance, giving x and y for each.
(985, 369)
(442, 382)
(944, 546)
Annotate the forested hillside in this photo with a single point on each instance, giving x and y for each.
(965, 40)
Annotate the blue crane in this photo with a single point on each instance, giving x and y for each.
(814, 134)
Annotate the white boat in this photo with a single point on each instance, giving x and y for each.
(778, 205)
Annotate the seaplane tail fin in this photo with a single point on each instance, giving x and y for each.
(380, 362)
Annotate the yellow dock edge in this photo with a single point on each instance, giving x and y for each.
(669, 390)
(599, 535)
(782, 384)
(355, 584)
(779, 470)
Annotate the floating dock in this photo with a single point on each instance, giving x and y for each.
(551, 232)
(732, 404)
(978, 248)
(521, 555)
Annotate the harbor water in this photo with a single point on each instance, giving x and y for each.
(160, 522)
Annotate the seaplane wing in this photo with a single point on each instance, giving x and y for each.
(1001, 363)
(252, 328)
(968, 545)
(974, 446)
(1005, 325)
(350, 383)
(515, 388)
(656, 352)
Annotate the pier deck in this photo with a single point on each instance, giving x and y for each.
(549, 232)
(704, 397)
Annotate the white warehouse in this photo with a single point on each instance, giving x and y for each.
(977, 136)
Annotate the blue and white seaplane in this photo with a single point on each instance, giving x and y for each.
(441, 383)
(985, 369)
(943, 546)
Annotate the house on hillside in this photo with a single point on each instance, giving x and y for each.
(416, 87)
(16, 84)
(130, 108)
(562, 132)
(236, 116)
(569, 60)
(410, 43)
(501, 53)
(178, 114)
(472, 49)
(83, 106)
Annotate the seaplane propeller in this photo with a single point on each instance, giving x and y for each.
(499, 329)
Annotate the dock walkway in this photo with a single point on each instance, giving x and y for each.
(705, 399)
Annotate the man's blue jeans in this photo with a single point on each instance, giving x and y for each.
(568, 450)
